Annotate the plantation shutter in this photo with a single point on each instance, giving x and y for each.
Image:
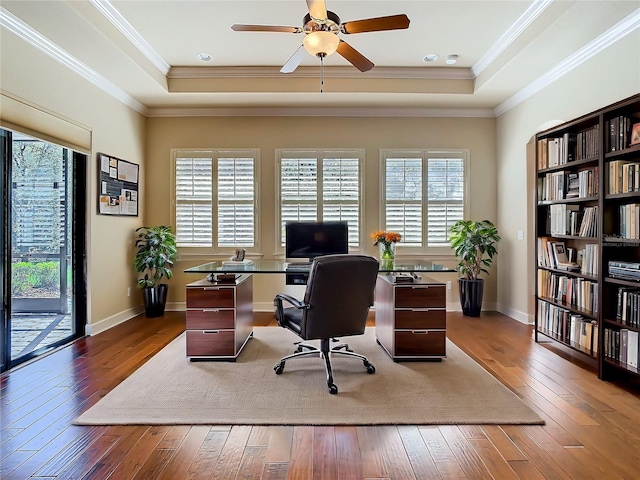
(298, 191)
(341, 194)
(445, 198)
(236, 216)
(194, 202)
(403, 198)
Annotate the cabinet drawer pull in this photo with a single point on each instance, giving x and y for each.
(211, 331)
(420, 332)
(217, 288)
(210, 310)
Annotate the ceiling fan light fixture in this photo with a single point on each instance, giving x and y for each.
(321, 43)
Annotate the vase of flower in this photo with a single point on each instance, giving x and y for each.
(387, 250)
(386, 242)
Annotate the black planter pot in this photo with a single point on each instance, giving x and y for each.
(155, 299)
(471, 296)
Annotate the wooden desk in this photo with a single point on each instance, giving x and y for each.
(411, 318)
(219, 318)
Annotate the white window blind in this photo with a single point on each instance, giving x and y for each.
(321, 185)
(424, 195)
(215, 189)
(235, 202)
(193, 201)
(445, 198)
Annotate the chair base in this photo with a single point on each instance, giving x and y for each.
(305, 349)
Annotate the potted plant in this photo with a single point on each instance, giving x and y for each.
(474, 245)
(154, 259)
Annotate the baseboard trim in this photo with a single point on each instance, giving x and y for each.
(521, 317)
(110, 322)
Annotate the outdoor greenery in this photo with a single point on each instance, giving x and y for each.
(28, 275)
(154, 257)
(474, 245)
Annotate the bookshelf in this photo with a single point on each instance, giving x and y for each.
(587, 226)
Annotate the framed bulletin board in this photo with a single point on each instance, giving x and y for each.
(117, 186)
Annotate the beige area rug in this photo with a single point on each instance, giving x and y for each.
(170, 390)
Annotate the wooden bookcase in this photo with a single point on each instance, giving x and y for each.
(588, 208)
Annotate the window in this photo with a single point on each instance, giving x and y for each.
(321, 185)
(424, 194)
(216, 189)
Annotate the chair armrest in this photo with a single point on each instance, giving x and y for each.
(293, 301)
(277, 303)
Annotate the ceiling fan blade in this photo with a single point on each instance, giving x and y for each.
(392, 22)
(358, 60)
(265, 28)
(294, 60)
(317, 9)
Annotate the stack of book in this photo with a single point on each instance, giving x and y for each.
(622, 346)
(619, 133)
(628, 306)
(624, 270)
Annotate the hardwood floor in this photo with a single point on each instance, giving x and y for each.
(592, 428)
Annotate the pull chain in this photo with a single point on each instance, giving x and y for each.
(321, 73)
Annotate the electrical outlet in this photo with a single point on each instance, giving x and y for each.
(128, 291)
(448, 284)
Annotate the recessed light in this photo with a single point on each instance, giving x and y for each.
(432, 57)
(205, 57)
(451, 59)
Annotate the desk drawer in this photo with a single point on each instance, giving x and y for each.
(203, 343)
(210, 318)
(210, 297)
(418, 296)
(420, 343)
(419, 318)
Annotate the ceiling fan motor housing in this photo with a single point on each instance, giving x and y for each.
(329, 24)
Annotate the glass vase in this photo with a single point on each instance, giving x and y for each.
(387, 251)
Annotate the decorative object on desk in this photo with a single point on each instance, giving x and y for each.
(169, 390)
(387, 243)
(154, 259)
(239, 255)
(474, 245)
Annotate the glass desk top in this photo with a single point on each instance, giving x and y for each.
(280, 266)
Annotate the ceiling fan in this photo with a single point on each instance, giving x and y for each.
(321, 28)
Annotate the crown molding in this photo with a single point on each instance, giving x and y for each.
(111, 13)
(513, 32)
(621, 29)
(420, 73)
(42, 43)
(323, 112)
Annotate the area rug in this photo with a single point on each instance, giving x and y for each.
(170, 390)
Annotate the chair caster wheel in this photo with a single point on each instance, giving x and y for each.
(370, 367)
(279, 368)
(333, 388)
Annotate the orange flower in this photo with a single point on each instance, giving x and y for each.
(385, 238)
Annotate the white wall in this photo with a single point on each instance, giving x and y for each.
(610, 76)
(116, 130)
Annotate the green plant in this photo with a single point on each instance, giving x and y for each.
(154, 257)
(28, 275)
(474, 244)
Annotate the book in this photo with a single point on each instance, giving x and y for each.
(632, 349)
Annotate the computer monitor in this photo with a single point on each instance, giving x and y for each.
(313, 239)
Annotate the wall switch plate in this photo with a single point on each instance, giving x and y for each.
(448, 284)
(520, 235)
(128, 291)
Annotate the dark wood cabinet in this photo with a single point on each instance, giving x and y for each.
(219, 318)
(411, 318)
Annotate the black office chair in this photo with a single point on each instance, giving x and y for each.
(339, 293)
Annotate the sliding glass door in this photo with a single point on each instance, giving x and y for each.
(43, 247)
